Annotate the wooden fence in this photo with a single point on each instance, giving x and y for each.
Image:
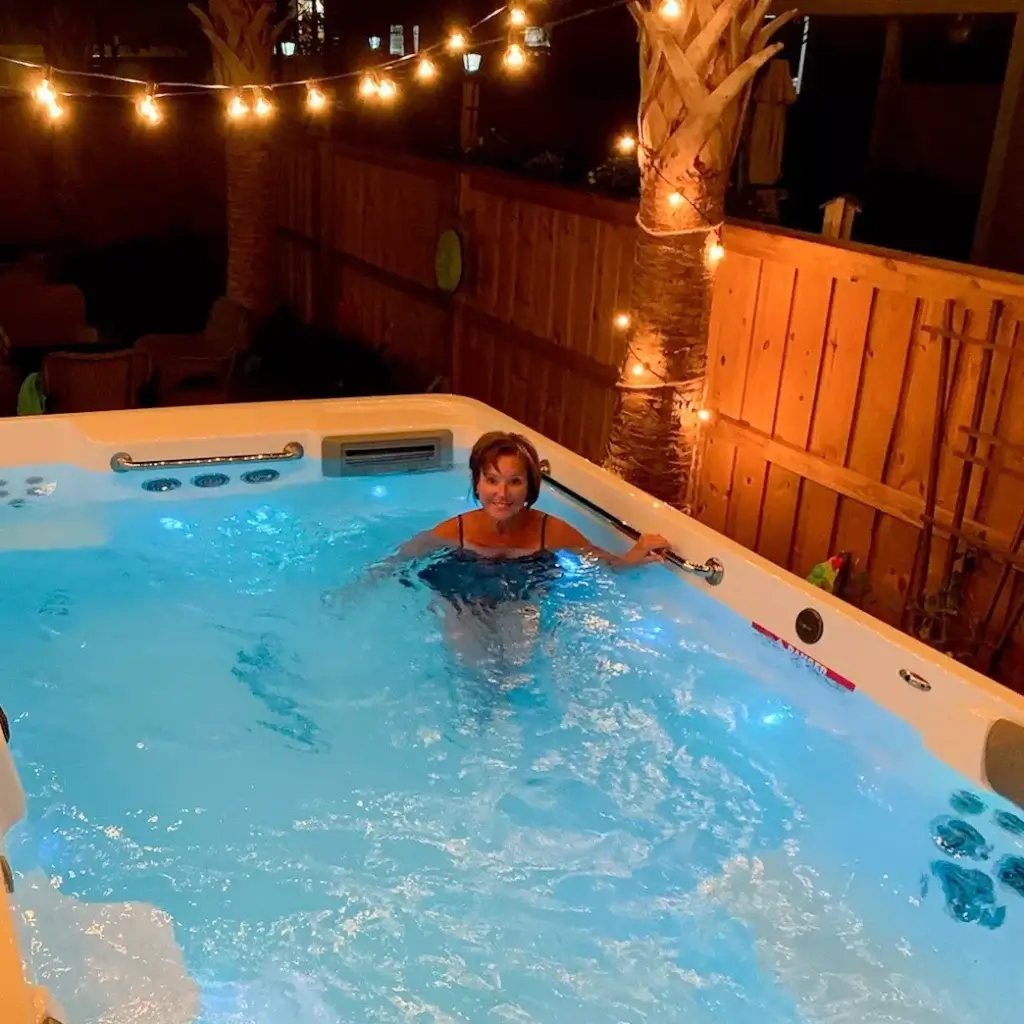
(824, 369)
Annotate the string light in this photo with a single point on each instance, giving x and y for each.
(148, 110)
(626, 144)
(704, 415)
(638, 369)
(715, 251)
(47, 98)
(671, 9)
(263, 108)
(44, 92)
(515, 57)
(622, 321)
(675, 200)
(316, 101)
(252, 100)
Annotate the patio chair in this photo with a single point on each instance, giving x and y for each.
(44, 315)
(95, 382)
(197, 369)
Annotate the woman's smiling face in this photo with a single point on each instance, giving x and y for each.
(503, 487)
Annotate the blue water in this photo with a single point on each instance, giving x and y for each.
(245, 807)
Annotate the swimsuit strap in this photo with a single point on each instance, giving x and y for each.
(462, 542)
(543, 531)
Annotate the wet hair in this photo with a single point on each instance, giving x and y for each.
(492, 446)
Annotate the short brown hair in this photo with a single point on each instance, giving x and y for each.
(492, 446)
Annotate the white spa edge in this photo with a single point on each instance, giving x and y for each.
(953, 717)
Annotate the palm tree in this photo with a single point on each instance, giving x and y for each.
(697, 61)
(242, 34)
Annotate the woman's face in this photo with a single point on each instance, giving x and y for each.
(502, 487)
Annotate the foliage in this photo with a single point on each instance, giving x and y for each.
(242, 36)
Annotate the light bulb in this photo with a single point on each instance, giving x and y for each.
(515, 58)
(626, 144)
(675, 200)
(622, 321)
(237, 108)
(671, 9)
(368, 86)
(315, 99)
(704, 415)
(263, 107)
(425, 69)
(456, 42)
(517, 16)
(54, 110)
(715, 252)
(387, 90)
(637, 370)
(149, 111)
(44, 93)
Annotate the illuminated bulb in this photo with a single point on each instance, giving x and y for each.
(149, 111)
(387, 90)
(626, 144)
(675, 200)
(715, 252)
(517, 16)
(426, 70)
(704, 415)
(368, 86)
(237, 108)
(44, 93)
(315, 99)
(456, 42)
(622, 321)
(263, 107)
(637, 369)
(54, 110)
(671, 9)
(515, 58)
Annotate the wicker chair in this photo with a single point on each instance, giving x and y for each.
(194, 369)
(84, 382)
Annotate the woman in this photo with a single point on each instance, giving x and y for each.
(505, 550)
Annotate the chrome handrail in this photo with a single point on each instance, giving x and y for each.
(122, 462)
(712, 571)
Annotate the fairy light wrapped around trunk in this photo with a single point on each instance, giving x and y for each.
(697, 61)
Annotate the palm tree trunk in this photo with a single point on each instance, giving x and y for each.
(696, 68)
(251, 273)
(242, 36)
(655, 430)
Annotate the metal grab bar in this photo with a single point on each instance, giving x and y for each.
(712, 571)
(122, 462)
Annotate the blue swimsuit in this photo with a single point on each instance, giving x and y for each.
(468, 579)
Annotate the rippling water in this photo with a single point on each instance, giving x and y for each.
(246, 808)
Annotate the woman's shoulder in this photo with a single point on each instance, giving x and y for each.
(559, 534)
(450, 529)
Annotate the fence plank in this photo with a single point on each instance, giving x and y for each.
(768, 347)
(728, 357)
(885, 360)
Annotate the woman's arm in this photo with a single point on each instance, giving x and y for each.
(442, 535)
(648, 547)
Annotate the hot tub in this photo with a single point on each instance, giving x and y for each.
(703, 791)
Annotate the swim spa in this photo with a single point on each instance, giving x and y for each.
(701, 792)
